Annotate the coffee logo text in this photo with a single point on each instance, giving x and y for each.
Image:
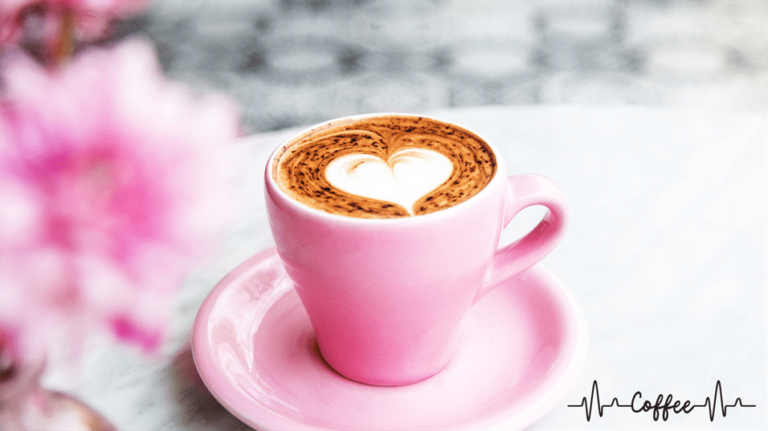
(662, 406)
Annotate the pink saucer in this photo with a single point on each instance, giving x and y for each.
(522, 348)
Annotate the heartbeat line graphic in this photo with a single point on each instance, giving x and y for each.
(662, 406)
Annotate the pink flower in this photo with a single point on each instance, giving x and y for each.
(108, 180)
(21, 364)
(90, 17)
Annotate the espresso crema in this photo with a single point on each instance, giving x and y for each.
(384, 167)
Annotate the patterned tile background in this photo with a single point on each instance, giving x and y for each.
(291, 62)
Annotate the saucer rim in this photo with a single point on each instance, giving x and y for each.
(559, 385)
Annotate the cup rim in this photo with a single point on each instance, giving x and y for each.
(272, 186)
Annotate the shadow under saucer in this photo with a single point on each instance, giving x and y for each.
(197, 407)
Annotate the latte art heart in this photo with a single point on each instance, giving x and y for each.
(405, 178)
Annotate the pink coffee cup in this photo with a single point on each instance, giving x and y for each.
(386, 297)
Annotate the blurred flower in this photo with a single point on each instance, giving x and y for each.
(57, 24)
(108, 182)
(21, 365)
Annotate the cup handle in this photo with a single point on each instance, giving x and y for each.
(523, 191)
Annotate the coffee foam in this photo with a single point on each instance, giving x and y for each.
(403, 179)
(384, 167)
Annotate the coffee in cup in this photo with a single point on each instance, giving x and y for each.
(388, 225)
(384, 167)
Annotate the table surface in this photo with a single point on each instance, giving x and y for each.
(666, 254)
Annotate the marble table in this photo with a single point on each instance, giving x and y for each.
(666, 254)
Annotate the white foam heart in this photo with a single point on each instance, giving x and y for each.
(405, 178)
